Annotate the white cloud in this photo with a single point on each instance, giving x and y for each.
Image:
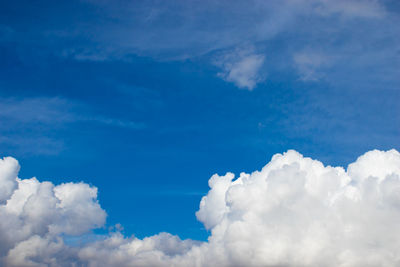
(294, 212)
(35, 214)
(241, 67)
(8, 171)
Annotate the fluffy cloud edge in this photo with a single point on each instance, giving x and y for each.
(293, 212)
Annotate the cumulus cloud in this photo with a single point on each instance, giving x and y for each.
(293, 212)
(241, 67)
(34, 215)
(8, 171)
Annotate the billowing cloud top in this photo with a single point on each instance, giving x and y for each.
(294, 212)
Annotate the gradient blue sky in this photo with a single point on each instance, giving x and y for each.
(147, 99)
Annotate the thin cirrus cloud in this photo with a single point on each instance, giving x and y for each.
(178, 31)
(185, 33)
(41, 117)
(293, 212)
(53, 111)
(310, 65)
(166, 31)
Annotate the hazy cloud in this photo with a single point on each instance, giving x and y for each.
(52, 111)
(186, 30)
(41, 116)
(310, 64)
(241, 67)
(352, 8)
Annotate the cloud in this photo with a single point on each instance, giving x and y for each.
(293, 212)
(279, 30)
(164, 31)
(34, 215)
(41, 117)
(183, 30)
(8, 171)
(309, 65)
(297, 212)
(352, 8)
(241, 67)
(53, 111)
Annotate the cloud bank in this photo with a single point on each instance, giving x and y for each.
(293, 212)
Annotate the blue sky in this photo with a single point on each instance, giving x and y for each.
(147, 99)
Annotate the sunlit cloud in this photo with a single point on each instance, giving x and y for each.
(293, 212)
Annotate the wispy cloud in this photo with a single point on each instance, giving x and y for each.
(310, 65)
(28, 124)
(241, 67)
(352, 8)
(183, 30)
(53, 111)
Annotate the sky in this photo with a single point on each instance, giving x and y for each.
(140, 103)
